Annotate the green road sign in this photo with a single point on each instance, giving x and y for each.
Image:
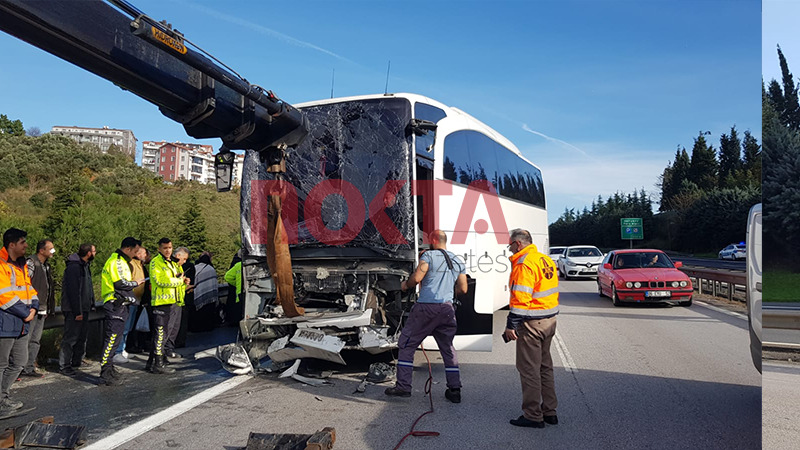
(632, 228)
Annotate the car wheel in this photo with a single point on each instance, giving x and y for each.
(614, 297)
(686, 303)
(599, 289)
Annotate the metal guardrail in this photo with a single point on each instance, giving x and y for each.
(715, 279)
(781, 317)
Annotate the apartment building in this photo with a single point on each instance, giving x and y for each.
(101, 137)
(179, 161)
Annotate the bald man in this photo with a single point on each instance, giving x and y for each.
(440, 276)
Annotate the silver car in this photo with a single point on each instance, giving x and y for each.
(580, 261)
(556, 253)
(734, 252)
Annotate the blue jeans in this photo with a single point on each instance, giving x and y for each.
(128, 327)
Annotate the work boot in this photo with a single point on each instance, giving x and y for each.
(149, 366)
(116, 373)
(396, 392)
(160, 367)
(454, 395)
(107, 376)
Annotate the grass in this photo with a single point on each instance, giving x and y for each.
(781, 286)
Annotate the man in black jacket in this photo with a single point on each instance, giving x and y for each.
(77, 299)
(42, 280)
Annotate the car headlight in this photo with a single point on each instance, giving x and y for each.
(570, 263)
(637, 285)
(683, 284)
(628, 285)
(675, 284)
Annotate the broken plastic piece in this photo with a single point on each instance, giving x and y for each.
(234, 359)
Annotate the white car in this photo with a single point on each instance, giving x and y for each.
(556, 253)
(734, 252)
(580, 261)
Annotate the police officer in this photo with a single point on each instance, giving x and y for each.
(532, 324)
(116, 288)
(167, 287)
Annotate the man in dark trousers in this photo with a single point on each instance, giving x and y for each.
(77, 299)
(116, 287)
(42, 280)
(439, 274)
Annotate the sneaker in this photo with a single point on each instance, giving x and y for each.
(68, 372)
(396, 392)
(119, 358)
(523, 421)
(454, 395)
(551, 420)
(10, 404)
(33, 374)
(124, 353)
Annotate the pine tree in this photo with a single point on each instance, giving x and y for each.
(730, 159)
(703, 169)
(10, 127)
(192, 228)
(752, 159)
(790, 114)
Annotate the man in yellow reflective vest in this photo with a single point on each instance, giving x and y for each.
(167, 288)
(116, 288)
(18, 306)
(533, 307)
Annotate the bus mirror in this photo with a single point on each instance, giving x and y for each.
(223, 168)
(421, 127)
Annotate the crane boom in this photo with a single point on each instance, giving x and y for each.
(153, 61)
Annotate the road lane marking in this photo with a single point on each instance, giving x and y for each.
(723, 311)
(566, 358)
(143, 426)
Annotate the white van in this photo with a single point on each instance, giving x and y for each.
(754, 283)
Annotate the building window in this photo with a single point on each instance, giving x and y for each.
(173, 158)
(162, 168)
(171, 167)
(163, 158)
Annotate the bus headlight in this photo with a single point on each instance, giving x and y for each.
(628, 285)
(637, 285)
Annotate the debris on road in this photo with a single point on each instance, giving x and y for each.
(321, 440)
(234, 359)
(43, 433)
(292, 372)
(378, 373)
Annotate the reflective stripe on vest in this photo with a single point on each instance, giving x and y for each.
(534, 312)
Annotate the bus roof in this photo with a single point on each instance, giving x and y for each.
(452, 113)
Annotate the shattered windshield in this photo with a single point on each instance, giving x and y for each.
(350, 177)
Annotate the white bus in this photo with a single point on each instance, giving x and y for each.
(350, 250)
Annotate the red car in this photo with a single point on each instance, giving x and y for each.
(643, 276)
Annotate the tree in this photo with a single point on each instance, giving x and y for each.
(752, 159)
(730, 159)
(10, 127)
(33, 132)
(703, 169)
(790, 113)
(192, 228)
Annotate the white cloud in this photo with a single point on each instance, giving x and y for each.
(264, 30)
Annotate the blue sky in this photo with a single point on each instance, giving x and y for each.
(779, 28)
(599, 94)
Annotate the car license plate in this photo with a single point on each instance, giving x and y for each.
(589, 271)
(657, 294)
